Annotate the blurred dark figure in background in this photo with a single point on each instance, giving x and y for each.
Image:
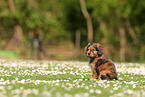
(36, 37)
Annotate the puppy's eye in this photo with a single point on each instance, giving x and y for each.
(93, 50)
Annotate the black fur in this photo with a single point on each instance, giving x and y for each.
(101, 61)
(103, 77)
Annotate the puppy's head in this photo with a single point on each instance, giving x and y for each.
(93, 50)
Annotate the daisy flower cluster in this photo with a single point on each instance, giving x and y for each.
(23, 78)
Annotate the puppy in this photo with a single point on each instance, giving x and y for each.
(101, 67)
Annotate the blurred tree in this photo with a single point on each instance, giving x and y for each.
(110, 15)
(60, 19)
(17, 38)
(88, 19)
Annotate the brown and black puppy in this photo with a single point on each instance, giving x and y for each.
(101, 67)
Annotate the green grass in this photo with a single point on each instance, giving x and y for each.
(67, 79)
(8, 54)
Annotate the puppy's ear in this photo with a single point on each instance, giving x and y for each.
(100, 48)
(87, 47)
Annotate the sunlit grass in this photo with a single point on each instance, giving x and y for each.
(67, 79)
(8, 54)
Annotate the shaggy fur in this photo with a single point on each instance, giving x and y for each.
(101, 67)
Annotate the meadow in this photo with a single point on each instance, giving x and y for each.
(23, 78)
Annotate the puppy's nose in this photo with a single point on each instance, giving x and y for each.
(88, 53)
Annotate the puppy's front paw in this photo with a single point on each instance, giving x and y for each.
(94, 78)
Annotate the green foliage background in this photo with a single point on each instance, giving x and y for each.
(60, 19)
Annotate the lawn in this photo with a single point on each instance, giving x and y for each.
(23, 78)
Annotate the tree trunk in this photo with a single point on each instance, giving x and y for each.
(105, 40)
(11, 5)
(111, 25)
(122, 43)
(17, 38)
(131, 31)
(78, 39)
(102, 24)
(88, 20)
